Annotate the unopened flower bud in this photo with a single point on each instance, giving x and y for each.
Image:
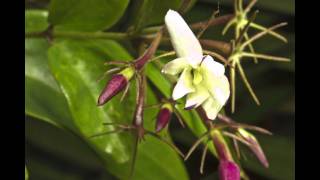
(116, 84)
(163, 116)
(228, 170)
(254, 146)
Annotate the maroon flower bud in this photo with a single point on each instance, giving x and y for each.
(164, 116)
(228, 170)
(117, 83)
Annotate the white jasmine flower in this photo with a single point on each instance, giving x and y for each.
(202, 79)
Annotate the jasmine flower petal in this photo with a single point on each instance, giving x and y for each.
(211, 107)
(219, 88)
(183, 40)
(212, 66)
(215, 80)
(175, 66)
(221, 93)
(184, 85)
(197, 98)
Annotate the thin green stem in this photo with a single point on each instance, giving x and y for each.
(180, 119)
(171, 53)
(240, 5)
(81, 35)
(107, 133)
(236, 146)
(218, 56)
(134, 156)
(246, 82)
(203, 157)
(265, 57)
(277, 35)
(176, 149)
(246, 37)
(226, 28)
(94, 35)
(236, 137)
(262, 33)
(250, 5)
(151, 30)
(235, 6)
(233, 87)
(213, 16)
(195, 145)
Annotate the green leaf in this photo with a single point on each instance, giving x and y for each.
(84, 15)
(77, 65)
(36, 20)
(43, 98)
(152, 12)
(48, 148)
(147, 12)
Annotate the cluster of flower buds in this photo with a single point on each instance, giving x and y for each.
(120, 80)
(248, 138)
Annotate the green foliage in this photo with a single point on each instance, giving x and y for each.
(83, 15)
(36, 20)
(113, 149)
(38, 80)
(147, 12)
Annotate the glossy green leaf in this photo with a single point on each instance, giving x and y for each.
(36, 20)
(77, 65)
(43, 98)
(84, 15)
(48, 148)
(45, 102)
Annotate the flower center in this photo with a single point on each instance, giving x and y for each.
(197, 76)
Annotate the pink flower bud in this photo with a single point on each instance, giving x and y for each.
(228, 170)
(117, 83)
(254, 147)
(163, 117)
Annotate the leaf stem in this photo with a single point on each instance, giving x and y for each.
(79, 35)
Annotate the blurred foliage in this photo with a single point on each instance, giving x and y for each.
(61, 92)
(83, 15)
